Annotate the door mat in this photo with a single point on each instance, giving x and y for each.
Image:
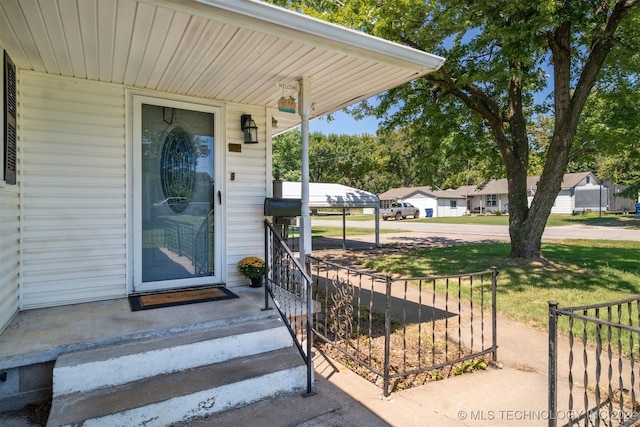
(170, 299)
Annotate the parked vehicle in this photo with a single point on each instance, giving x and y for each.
(400, 210)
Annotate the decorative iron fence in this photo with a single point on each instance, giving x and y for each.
(597, 384)
(289, 286)
(402, 330)
(188, 239)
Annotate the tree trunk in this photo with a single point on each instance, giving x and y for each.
(525, 227)
(527, 224)
(524, 232)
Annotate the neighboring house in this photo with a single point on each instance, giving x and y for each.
(493, 196)
(580, 191)
(137, 136)
(438, 202)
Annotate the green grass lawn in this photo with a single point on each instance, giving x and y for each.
(576, 272)
(592, 218)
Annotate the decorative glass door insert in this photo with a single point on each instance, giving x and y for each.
(178, 197)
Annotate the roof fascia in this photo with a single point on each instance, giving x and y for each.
(285, 23)
(419, 193)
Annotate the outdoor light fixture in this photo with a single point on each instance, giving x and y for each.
(249, 128)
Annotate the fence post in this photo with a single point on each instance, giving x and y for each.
(387, 336)
(310, 390)
(267, 264)
(494, 312)
(553, 363)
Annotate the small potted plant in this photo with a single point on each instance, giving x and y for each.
(252, 267)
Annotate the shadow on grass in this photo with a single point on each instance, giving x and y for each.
(587, 267)
(606, 221)
(366, 308)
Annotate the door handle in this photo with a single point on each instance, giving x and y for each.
(219, 197)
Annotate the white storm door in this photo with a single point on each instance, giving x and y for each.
(177, 202)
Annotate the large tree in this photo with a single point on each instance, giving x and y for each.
(507, 62)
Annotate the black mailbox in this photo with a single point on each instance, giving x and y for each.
(282, 207)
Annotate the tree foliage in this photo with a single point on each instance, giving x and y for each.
(351, 160)
(608, 138)
(378, 163)
(510, 64)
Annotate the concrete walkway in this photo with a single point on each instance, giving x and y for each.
(514, 394)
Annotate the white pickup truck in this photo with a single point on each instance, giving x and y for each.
(400, 210)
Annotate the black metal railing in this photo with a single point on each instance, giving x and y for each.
(191, 240)
(401, 329)
(597, 385)
(289, 287)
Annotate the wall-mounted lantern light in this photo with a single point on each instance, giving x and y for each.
(249, 128)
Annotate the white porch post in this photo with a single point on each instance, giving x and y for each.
(304, 109)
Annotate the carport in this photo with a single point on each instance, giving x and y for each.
(336, 196)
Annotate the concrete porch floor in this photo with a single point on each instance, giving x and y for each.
(38, 336)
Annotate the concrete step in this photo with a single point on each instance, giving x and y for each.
(117, 364)
(186, 395)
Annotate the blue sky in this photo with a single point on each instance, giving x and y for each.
(343, 123)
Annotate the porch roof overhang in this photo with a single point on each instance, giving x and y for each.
(235, 51)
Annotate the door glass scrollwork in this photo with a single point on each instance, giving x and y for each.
(178, 168)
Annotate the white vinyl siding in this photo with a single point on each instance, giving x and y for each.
(422, 202)
(73, 191)
(245, 194)
(9, 252)
(9, 235)
(564, 203)
(446, 207)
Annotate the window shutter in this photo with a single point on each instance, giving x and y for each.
(10, 137)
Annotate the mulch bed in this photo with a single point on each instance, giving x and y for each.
(410, 351)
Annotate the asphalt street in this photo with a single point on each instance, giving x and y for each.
(494, 232)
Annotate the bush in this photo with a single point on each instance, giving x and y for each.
(251, 267)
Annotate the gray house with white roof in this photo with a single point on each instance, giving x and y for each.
(580, 191)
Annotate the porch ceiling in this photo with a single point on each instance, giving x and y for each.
(226, 50)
